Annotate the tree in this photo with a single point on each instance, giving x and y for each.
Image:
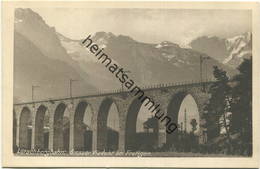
(242, 104)
(216, 106)
(232, 95)
(194, 124)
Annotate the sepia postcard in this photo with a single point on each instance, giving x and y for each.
(130, 84)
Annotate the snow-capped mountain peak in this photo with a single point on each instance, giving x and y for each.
(238, 46)
(246, 37)
(102, 38)
(166, 44)
(229, 51)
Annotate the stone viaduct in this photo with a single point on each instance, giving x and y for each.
(169, 97)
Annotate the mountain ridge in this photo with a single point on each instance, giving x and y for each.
(148, 63)
(128, 52)
(229, 51)
(33, 35)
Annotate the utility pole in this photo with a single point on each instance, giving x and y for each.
(201, 60)
(70, 86)
(33, 88)
(181, 127)
(122, 84)
(114, 123)
(206, 72)
(201, 71)
(185, 121)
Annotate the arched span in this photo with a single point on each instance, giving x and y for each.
(82, 131)
(107, 138)
(61, 129)
(173, 111)
(148, 126)
(40, 142)
(14, 132)
(25, 129)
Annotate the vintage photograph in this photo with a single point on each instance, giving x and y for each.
(132, 82)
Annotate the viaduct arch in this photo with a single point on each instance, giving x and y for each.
(80, 128)
(39, 128)
(24, 129)
(70, 136)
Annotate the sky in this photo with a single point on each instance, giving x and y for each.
(148, 25)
